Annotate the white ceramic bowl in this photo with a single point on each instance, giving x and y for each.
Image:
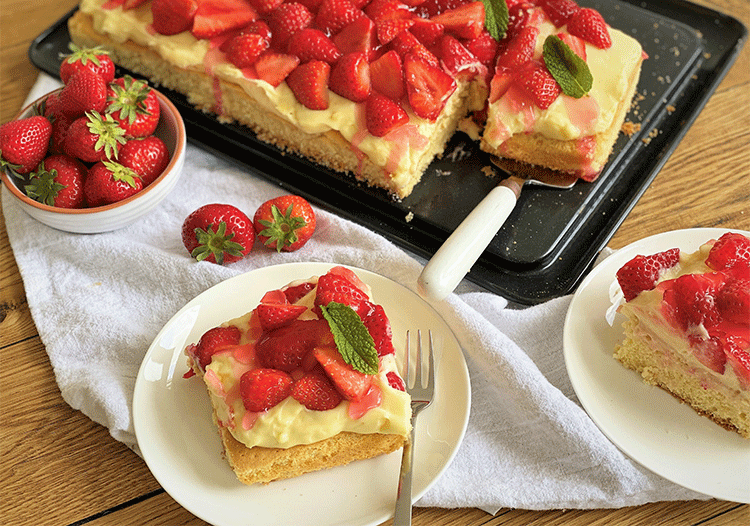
(171, 130)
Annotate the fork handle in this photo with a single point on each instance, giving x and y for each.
(402, 515)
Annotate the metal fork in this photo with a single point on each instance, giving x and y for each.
(421, 393)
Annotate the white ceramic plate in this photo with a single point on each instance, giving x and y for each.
(646, 423)
(180, 444)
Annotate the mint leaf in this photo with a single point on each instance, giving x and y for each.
(496, 18)
(569, 70)
(354, 342)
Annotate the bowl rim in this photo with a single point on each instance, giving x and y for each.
(178, 152)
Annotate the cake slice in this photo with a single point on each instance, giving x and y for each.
(688, 326)
(307, 380)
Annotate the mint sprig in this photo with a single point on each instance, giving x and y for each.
(569, 70)
(353, 340)
(496, 18)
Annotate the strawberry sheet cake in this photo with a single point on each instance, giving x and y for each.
(307, 380)
(687, 327)
(376, 88)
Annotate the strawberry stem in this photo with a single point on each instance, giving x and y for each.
(216, 242)
(282, 229)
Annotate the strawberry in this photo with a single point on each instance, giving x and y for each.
(358, 36)
(109, 182)
(427, 87)
(559, 11)
(518, 18)
(334, 287)
(286, 20)
(312, 44)
(378, 10)
(736, 350)
(94, 138)
(484, 47)
(95, 59)
(132, 4)
(539, 84)
(171, 17)
(316, 392)
(60, 125)
(519, 50)
(350, 77)
(642, 272)
(427, 31)
(691, 300)
(576, 44)
(733, 301)
(148, 157)
(296, 292)
(85, 91)
(58, 181)
(276, 315)
(215, 340)
(244, 49)
(309, 83)
(217, 17)
(274, 67)
(731, 250)
(395, 381)
(382, 115)
(284, 223)
(352, 384)
(24, 142)
(285, 348)
(387, 78)
(262, 389)
(258, 27)
(134, 105)
(218, 233)
(430, 8)
(265, 6)
(456, 59)
(387, 30)
(709, 352)
(589, 25)
(334, 15)
(465, 21)
(379, 327)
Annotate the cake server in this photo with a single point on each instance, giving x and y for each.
(460, 251)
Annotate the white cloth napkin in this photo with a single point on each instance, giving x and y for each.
(99, 300)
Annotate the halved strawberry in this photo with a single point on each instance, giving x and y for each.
(395, 381)
(265, 6)
(286, 20)
(297, 292)
(379, 327)
(312, 44)
(456, 59)
(275, 67)
(736, 350)
(642, 272)
(387, 10)
(387, 76)
(244, 49)
(465, 21)
(333, 287)
(309, 83)
(559, 11)
(316, 392)
(484, 47)
(709, 352)
(171, 17)
(216, 17)
(519, 50)
(427, 87)
(539, 84)
(350, 77)
(213, 341)
(575, 43)
(286, 347)
(730, 250)
(589, 25)
(276, 315)
(352, 384)
(388, 29)
(427, 31)
(262, 389)
(733, 301)
(334, 15)
(358, 36)
(691, 300)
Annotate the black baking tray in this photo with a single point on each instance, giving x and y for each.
(552, 237)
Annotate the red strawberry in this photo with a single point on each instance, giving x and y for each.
(244, 49)
(642, 272)
(218, 233)
(286, 20)
(736, 350)
(430, 8)
(276, 315)
(274, 67)
(262, 389)
(519, 50)
(171, 17)
(265, 6)
(94, 138)
(148, 157)
(456, 59)
(427, 87)
(309, 83)
(132, 4)
(383, 115)
(576, 44)
(284, 223)
(334, 15)
(387, 76)
(709, 352)
(387, 30)
(257, 27)
(465, 21)
(539, 84)
(691, 300)
(395, 381)
(484, 47)
(316, 392)
(134, 105)
(217, 17)
(214, 341)
(733, 301)
(559, 11)
(85, 91)
(296, 292)
(589, 25)
(285, 348)
(23, 143)
(518, 18)
(334, 287)
(352, 384)
(379, 327)
(358, 36)
(379, 10)
(730, 250)
(350, 77)
(109, 182)
(58, 181)
(427, 31)
(95, 59)
(312, 44)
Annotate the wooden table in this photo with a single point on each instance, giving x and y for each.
(60, 468)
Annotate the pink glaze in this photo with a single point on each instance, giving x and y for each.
(249, 419)
(586, 147)
(402, 138)
(213, 381)
(359, 136)
(245, 354)
(371, 400)
(582, 112)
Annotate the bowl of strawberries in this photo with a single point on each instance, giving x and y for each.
(98, 153)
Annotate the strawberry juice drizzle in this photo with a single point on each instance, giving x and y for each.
(582, 112)
(371, 400)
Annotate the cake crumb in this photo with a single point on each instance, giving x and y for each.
(670, 108)
(629, 128)
(488, 171)
(409, 217)
(442, 173)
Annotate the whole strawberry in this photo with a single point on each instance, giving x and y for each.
(94, 138)
(85, 91)
(109, 182)
(94, 59)
(285, 223)
(148, 157)
(58, 181)
(134, 105)
(218, 233)
(24, 142)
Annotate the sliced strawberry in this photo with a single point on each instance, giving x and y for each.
(285, 348)
(500, 84)
(379, 327)
(456, 59)
(265, 6)
(379, 10)
(214, 341)
(430, 8)
(538, 83)
(352, 384)
(286, 20)
(691, 300)
(709, 352)
(733, 301)
(309, 83)
(297, 292)
(350, 77)
(274, 67)
(427, 31)
(730, 250)
(387, 30)
(395, 381)
(736, 350)
(518, 51)
(589, 25)
(484, 47)
(576, 44)
(333, 287)
(349, 275)
(171, 17)
(387, 76)
(466, 21)
(559, 11)
(404, 43)
(427, 87)
(276, 315)
(244, 49)
(358, 36)
(216, 17)
(642, 272)
(518, 18)
(262, 389)
(316, 392)
(334, 15)
(312, 44)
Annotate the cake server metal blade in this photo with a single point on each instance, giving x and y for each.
(460, 251)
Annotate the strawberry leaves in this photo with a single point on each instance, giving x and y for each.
(569, 70)
(354, 342)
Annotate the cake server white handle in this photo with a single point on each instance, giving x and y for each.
(461, 250)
